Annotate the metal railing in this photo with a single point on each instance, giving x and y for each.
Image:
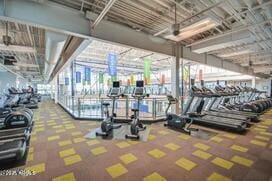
(150, 109)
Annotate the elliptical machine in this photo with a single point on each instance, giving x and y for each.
(176, 121)
(135, 125)
(107, 124)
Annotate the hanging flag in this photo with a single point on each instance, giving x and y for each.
(87, 71)
(66, 80)
(200, 75)
(186, 73)
(128, 82)
(101, 77)
(112, 64)
(147, 66)
(78, 77)
(132, 79)
(162, 81)
(109, 82)
(113, 78)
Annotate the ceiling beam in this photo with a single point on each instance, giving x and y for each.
(103, 13)
(48, 15)
(17, 48)
(62, 19)
(229, 40)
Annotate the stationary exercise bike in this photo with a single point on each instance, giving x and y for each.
(176, 121)
(135, 125)
(107, 124)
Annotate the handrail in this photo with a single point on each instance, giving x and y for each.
(86, 107)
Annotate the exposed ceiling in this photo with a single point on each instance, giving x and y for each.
(239, 31)
(130, 60)
(26, 49)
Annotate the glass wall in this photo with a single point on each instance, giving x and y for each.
(82, 90)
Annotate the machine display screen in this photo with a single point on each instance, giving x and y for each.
(114, 91)
(139, 83)
(139, 91)
(116, 84)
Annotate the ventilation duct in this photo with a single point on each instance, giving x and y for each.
(54, 45)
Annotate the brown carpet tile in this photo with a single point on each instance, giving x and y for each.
(58, 151)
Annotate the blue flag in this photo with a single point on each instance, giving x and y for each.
(112, 64)
(78, 77)
(66, 80)
(87, 74)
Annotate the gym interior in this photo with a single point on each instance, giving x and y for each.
(149, 90)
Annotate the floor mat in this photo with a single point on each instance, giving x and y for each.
(118, 134)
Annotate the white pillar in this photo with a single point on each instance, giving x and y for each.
(55, 83)
(175, 71)
(253, 82)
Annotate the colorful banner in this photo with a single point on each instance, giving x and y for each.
(87, 71)
(109, 82)
(147, 66)
(132, 79)
(113, 79)
(186, 73)
(200, 74)
(101, 78)
(162, 81)
(78, 77)
(66, 80)
(112, 64)
(128, 82)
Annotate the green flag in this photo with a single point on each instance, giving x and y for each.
(147, 66)
(113, 79)
(101, 78)
(186, 73)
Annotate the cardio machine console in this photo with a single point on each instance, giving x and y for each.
(139, 89)
(171, 99)
(115, 90)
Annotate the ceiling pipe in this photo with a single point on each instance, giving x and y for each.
(229, 32)
(103, 13)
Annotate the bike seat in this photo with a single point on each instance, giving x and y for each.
(105, 104)
(135, 110)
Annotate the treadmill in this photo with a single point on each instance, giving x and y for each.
(13, 148)
(220, 90)
(14, 137)
(191, 109)
(209, 111)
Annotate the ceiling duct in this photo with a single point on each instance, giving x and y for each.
(54, 45)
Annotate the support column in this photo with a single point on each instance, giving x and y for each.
(56, 85)
(253, 82)
(175, 72)
(270, 87)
